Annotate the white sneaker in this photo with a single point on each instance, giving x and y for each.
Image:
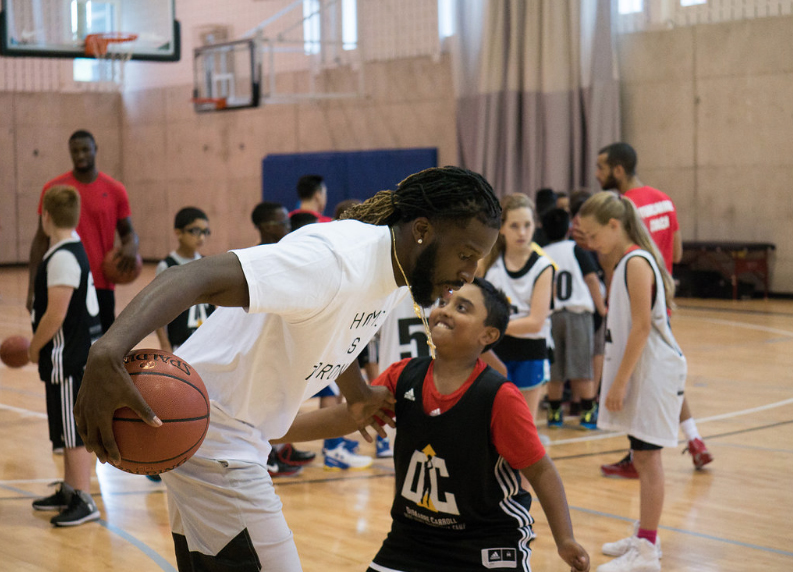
(621, 546)
(342, 459)
(544, 439)
(641, 556)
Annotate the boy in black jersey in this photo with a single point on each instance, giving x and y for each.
(191, 226)
(65, 319)
(461, 507)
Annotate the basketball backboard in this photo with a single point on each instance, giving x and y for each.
(58, 28)
(226, 76)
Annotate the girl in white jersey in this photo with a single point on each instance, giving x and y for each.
(520, 268)
(644, 371)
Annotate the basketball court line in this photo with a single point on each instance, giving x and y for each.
(733, 310)
(142, 546)
(688, 532)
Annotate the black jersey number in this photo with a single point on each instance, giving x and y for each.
(564, 285)
(411, 333)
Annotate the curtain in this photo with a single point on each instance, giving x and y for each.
(537, 91)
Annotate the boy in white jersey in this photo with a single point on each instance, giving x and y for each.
(313, 301)
(577, 294)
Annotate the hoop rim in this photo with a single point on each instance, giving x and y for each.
(218, 102)
(96, 44)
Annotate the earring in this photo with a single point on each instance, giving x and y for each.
(421, 241)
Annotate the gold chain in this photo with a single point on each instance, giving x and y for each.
(416, 308)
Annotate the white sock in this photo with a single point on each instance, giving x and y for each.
(690, 429)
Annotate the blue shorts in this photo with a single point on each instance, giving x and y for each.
(528, 374)
(331, 390)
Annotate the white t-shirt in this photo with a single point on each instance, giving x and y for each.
(316, 299)
(62, 267)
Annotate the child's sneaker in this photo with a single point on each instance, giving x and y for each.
(384, 450)
(640, 556)
(555, 417)
(81, 509)
(57, 501)
(341, 459)
(622, 546)
(291, 456)
(699, 453)
(623, 469)
(351, 445)
(277, 468)
(589, 419)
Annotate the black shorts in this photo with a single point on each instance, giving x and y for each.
(60, 411)
(639, 445)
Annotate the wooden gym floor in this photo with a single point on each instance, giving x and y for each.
(733, 516)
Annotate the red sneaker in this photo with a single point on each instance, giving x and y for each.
(622, 469)
(699, 453)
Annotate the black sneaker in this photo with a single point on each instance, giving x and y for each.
(58, 501)
(82, 508)
(277, 468)
(291, 456)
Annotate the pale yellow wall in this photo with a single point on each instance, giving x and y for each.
(34, 148)
(709, 109)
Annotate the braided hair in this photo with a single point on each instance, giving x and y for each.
(440, 193)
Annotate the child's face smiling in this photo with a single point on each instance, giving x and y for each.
(460, 320)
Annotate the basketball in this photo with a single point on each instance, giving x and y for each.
(14, 351)
(175, 392)
(113, 274)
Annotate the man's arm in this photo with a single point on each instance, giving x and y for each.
(365, 403)
(106, 386)
(545, 481)
(677, 247)
(325, 423)
(38, 248)
(129, 244)
(58, 298)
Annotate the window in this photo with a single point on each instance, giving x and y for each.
(685, 3)
(314, 19)
(311, 26)
(349, 24)
(631, 6)
(445, 18)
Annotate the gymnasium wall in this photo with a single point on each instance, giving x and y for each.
(709, 109)
(35, 130)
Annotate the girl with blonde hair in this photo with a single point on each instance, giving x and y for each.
(644, 371)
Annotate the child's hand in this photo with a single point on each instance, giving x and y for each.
(616, 396)
(575, 555)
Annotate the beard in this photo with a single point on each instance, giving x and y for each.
(421, 279)
(610, 183)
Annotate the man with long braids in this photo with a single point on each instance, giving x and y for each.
(311, 303)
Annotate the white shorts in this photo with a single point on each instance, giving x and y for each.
(210, 502)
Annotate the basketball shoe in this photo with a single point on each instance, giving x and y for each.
(555, 417)
(589, 418)
(640, 556)
(699, 453)
(341, 459)
(622, 546)
(278, 468)
(383, 448)
(622, 469)
(81, 509)
(57, 501)
(291, 456)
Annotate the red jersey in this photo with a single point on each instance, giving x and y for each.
(511, 425)
(320, 217)
(102, 204)
(659, 215)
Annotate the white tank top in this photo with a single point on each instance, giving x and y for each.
(654, 397)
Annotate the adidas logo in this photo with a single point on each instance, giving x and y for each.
(494, 558)
(409, 395)
(435, 412)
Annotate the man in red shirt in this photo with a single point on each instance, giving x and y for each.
(616, 170)
(313, 195)
(105, 210)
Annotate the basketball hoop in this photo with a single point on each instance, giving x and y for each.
(98, 46)
(209, 103)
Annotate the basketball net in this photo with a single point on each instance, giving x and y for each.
(113, 48)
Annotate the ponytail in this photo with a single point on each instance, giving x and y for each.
(607, 205)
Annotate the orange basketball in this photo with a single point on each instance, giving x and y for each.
(14, 351)
(178, 397)
(113, 274)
